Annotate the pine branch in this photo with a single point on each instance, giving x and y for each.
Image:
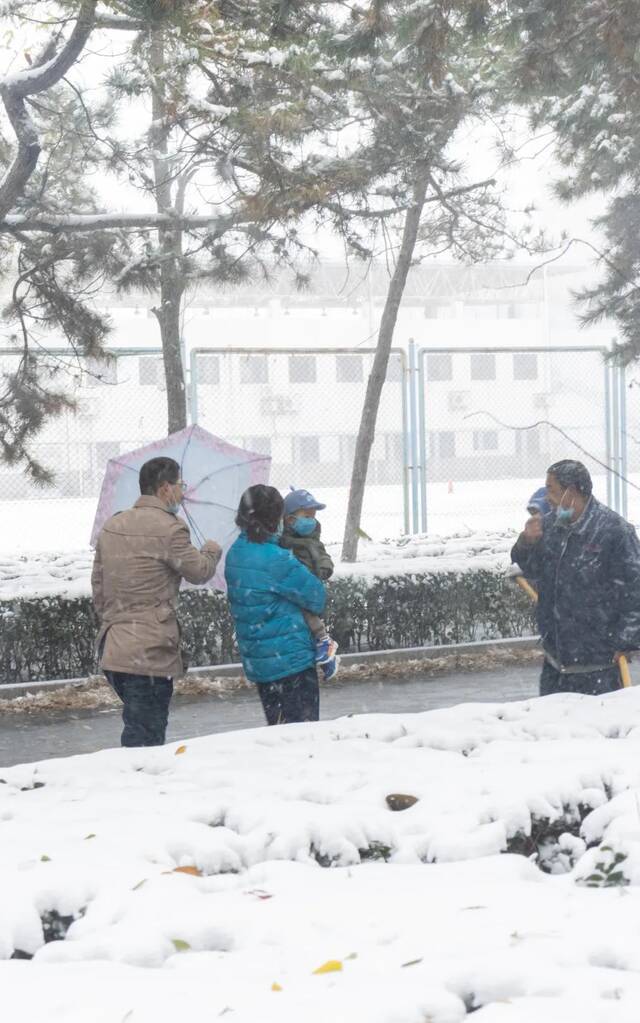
(14, 89)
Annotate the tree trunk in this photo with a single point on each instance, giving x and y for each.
(169, 315)
(375, 383)
(170, 244)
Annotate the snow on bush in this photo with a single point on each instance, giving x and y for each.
(280, 874)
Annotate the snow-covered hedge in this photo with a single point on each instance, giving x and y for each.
(52, 637)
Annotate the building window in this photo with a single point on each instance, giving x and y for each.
(439, 367)
(254, 369)
(208, 370)
(483, 366)
(525, 366)
(442, 444)
(150, 371)
(485, 440)
(104, 450)
(302, 369)
(259, 445)
(395, 447)
(97, 373)
(349, 369)
(308, 450)
(458, 401)
(527, 442)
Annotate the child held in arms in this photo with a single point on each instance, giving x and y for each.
(301, 535)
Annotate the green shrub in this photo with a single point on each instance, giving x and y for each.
(53, 637)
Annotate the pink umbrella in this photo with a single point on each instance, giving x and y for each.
(216, 474)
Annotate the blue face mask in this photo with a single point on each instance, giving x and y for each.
(564, 515)
(304, 526)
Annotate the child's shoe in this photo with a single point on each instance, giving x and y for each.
(325, 650)
(330, 668)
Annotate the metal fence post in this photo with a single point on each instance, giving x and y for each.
(615, 412)
(193, 386)
(413, 420)
(406, 444)
(622, 386)
(422, 420)
(608, 429)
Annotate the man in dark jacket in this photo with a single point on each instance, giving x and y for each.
(585, 562)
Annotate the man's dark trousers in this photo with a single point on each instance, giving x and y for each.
(291, 699)
(593, 683)
(145, 707)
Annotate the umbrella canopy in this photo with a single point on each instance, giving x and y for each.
(216, 474)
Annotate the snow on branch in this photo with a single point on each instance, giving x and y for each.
(15, 88)
(107, 222)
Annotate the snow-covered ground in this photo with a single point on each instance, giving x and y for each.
(262, 876)
(43, 574)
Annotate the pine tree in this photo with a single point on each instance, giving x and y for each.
(576, 67)
(232, 95)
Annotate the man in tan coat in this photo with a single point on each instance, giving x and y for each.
(142, 555)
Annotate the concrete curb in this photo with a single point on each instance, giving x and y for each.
(417, 653)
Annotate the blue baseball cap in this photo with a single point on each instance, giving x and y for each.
(297, 499)
(538, 502)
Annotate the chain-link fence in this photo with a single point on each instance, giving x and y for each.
(121, 405)
(303, 408)
(492, 421)
(463, 435)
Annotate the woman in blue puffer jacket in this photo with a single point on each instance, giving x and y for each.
(268, 589)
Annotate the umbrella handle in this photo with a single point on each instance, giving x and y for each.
(527, 588)
(625, 674)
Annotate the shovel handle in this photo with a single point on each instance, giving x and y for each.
(527, 587)
(625, 674)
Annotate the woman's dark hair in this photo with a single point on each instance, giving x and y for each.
(259, 512)
(570, 473)
(157, 471)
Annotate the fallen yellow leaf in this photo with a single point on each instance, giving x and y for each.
(275, 986)
(331, 966)
(193, 871)
(181, 749)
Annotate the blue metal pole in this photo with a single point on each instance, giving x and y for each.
(622, 381)
(413, 419)
(193, 385)
(422, 418)
(615, 411)
(406, 457)
(608, 424)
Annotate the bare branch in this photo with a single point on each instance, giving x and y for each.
(15, 88)
(122, 24)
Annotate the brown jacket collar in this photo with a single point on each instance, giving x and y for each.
(149, 501)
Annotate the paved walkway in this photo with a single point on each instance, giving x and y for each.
(39, 737)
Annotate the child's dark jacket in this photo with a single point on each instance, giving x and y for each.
(310, 550)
